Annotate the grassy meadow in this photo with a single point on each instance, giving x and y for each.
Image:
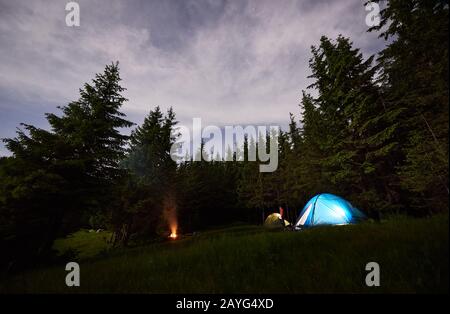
(412, 254)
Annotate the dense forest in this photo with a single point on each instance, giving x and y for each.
(375, 130)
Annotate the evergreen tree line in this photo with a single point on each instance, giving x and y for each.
(373, 130)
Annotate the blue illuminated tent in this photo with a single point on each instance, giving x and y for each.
(328, 209)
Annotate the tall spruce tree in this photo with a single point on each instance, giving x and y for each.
(349, 132)
(54, 177)
(151, 184)
(414, 75)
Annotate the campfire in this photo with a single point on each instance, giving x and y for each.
(170, 216)
(173, 233)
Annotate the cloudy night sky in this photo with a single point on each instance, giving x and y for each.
(227, 62)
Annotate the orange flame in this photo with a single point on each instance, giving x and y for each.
(173, 232)
(170, 216)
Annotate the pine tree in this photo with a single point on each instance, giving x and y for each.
(414, 74)
(349, 132)
(55, 176)
(152, 181)
(92, 124)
